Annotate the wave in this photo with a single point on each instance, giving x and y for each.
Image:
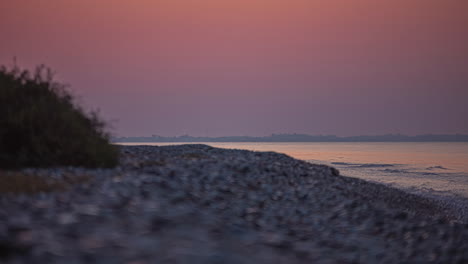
(394, 171)
(364, 165)
(437, 168)
(443, 185)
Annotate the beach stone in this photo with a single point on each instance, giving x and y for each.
(198, 204)
(67, 218)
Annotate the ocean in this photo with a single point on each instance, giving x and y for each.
(434, 169)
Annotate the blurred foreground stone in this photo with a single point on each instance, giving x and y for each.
(198, 204)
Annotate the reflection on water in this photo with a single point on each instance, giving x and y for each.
(438, 168)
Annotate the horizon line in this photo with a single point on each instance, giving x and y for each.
(300, 138)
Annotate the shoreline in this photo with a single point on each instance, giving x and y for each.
(198, 204)
(456, 202)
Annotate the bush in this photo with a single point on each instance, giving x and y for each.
(41, 125)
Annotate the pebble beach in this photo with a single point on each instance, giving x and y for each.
(199, 204)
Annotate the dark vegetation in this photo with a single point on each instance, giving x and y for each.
(42, 126)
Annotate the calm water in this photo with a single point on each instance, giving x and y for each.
(436, 169)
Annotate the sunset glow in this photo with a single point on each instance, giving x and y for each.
(255, 67)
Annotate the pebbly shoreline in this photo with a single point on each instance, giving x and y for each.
(198, 204)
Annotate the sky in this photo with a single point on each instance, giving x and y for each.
(252, 67)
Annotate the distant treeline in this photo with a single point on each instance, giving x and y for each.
(301, 138)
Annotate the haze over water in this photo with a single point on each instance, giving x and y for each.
(429, 168)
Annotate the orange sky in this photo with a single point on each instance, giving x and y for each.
(225, 67)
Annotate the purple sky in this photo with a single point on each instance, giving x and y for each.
(253, 67)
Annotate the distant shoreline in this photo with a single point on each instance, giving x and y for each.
(298, 138)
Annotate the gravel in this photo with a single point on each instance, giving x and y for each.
(198, 204)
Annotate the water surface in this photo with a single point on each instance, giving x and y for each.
(430, 168)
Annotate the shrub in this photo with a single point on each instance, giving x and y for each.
(42, 126)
